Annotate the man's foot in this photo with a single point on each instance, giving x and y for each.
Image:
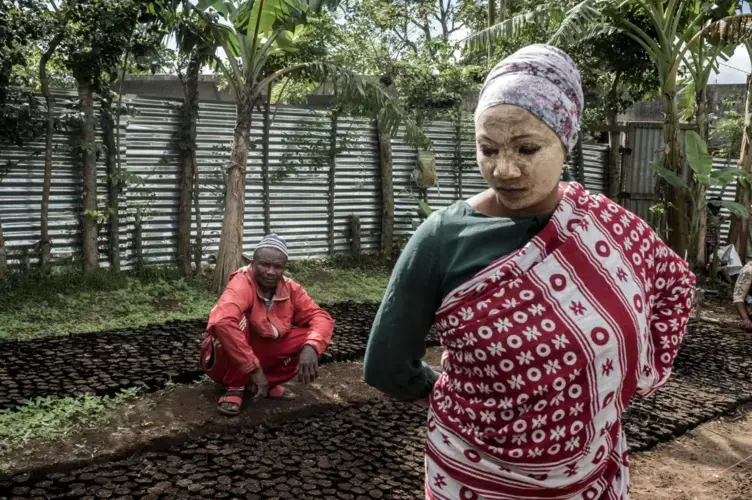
(230, 403)
(279, 392)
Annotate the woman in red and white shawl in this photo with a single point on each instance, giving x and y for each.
(554, 306)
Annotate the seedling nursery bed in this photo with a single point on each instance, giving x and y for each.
(104, 363)
(375, 450)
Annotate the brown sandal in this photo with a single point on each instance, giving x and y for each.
(231, 397)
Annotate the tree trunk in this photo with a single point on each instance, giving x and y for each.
(740, 227)
(229, 256)
(614, 158)
(698, 255)
(198, 244)
(89, 161)
(113, 183)
(387, 191)
(331, 180)
(672, 159)
(491, 22)
(3, 254)
(45, 246)
(188, 160)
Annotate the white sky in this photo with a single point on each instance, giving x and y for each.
(735, 70)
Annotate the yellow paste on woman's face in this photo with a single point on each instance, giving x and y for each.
(520, 157)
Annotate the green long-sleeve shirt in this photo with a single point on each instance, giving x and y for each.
(448, 249)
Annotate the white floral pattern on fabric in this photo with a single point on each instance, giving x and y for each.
(591, 312)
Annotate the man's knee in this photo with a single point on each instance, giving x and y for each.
(216, 364)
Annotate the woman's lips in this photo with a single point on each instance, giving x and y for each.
(510, 191)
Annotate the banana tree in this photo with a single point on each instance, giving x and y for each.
(704, 177)
(253, 35)
(738, 235)
(703, 61)
(674, 26)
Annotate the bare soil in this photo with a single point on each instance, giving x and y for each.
(175, 415)
(711, 462)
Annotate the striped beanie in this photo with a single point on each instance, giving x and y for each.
(273, 241)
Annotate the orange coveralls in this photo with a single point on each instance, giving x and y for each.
(243, 335)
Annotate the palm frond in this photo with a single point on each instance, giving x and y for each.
(509, 28)
(731, 29)
(579, 20)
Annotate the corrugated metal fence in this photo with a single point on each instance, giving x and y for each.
(299, 189)
(646, 142)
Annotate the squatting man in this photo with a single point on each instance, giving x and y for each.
(263, 331)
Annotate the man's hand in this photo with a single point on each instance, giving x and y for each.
(259, 380)
(747, 324)
(308, 367)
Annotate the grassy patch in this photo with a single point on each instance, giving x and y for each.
(35, 306)
(341, 280)
(56, 418)
(64, 302)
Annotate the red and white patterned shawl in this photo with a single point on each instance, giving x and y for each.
(543, 351)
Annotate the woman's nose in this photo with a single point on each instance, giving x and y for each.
(505, 170)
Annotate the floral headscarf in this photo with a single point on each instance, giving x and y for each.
(543, 80)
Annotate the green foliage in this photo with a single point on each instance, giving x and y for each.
(55, 418)
(615, 69)
(96, 38)
(36, 305)
(729, 130)
(342, 279)
(63, 301)
(21, 26)
(309, 148)
(704, 177)
(698, 157)
(669, 176)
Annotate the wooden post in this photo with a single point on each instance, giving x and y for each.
(355, 234)
(626, 164)
(387, 191)
(138, 242)
(265, 165)
(3, 254)
(332, 166)
(580, 162)
(458, 153)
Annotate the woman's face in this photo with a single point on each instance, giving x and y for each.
(520, 157)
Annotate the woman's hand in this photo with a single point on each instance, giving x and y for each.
(422, 402)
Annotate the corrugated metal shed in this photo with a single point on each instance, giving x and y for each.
(299, 190)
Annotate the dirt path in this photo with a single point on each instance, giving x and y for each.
(708, 463)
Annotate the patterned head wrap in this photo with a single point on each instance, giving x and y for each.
(543, 80)
(273, 241)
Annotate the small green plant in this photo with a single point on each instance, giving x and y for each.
(704, 177)
(54, 418)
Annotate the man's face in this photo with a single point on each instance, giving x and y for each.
(268, 265)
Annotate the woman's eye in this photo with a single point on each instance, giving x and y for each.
(529, 149)
(488, 151)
